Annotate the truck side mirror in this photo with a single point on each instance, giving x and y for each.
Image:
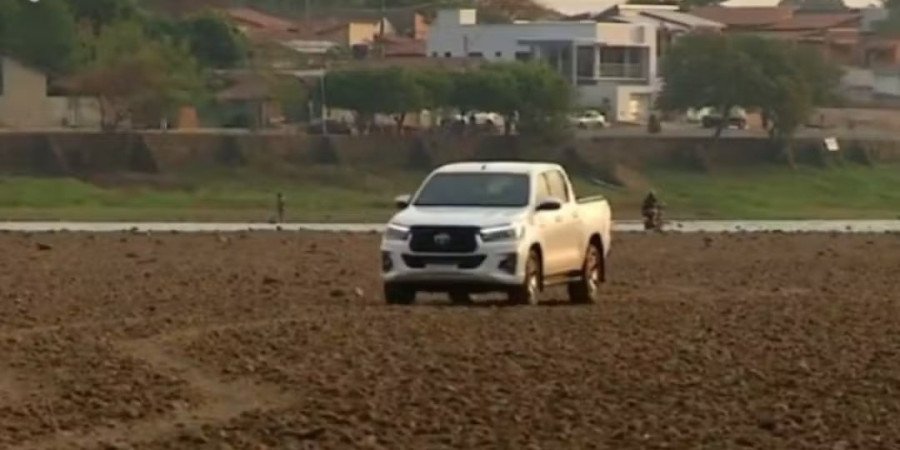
(402, 201)
(550, 204)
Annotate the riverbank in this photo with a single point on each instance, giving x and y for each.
(346, 194)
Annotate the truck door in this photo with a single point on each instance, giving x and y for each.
(551, 229)
(572, 231)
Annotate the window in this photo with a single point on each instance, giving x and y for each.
(476, 55)
(448, 55)
(434, 54)
(542, 190)
(586, 57)
(500, 190)
(523, 56)
(557, 185)
(498, 54)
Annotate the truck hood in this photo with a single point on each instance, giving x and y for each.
(458, 216)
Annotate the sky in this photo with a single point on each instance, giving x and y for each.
(579, 6)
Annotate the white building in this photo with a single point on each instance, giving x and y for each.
(887, 83)
(610, 64)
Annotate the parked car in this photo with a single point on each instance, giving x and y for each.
(507, 227)
(711, 118)
(589, 119)
(332, 127)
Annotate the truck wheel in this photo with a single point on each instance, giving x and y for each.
(460, 298)
(587, 288)
(399, 295)
(528, 292)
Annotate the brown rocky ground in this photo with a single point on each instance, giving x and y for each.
(280, 341)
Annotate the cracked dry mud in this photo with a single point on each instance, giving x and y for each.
(281, 341)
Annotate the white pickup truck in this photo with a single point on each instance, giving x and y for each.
(508, 227)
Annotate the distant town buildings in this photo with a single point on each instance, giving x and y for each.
(608, 63)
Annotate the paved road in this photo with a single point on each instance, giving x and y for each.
(712, 226)
(693, 131)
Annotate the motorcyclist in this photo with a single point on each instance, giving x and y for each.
(650, 210)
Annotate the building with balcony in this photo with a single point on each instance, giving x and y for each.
(613, 66)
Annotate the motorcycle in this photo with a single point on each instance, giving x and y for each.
(653, 219)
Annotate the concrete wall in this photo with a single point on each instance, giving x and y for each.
(77, 153)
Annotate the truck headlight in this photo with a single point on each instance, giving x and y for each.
(396, 233)
(504, 233)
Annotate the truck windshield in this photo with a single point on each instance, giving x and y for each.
(503, 190)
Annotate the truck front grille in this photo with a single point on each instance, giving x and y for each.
(443, 239)
(461, 262)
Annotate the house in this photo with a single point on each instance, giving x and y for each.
(359, 30)
(609, 64)
(879, 49)
(669, 21)
(746, 18)
(402, 22)
(257, 25)
(29, 100)
(836, 34)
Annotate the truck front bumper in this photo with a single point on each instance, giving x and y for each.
(494, 266)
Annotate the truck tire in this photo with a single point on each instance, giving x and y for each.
(399, 295)
(587, 289)
(528, 292)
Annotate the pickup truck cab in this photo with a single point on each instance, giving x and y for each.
(508, 227)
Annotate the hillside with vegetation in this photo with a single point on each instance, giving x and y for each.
(490, 10)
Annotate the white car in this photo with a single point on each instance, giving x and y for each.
(508, 227)
(589, 119)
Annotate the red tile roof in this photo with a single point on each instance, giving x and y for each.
(817, 21)
(744, 17)
(261, 20)
(404, 47)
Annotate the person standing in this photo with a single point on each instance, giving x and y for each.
(279, 207)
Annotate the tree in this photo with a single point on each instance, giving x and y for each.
(781, 80)
(709, 70)
(542, 96)
(41, 34)
(100, 13)
(136, 77)
(398, 92)
(530, 93)
(353, 90)
(437, 86)
(485, 90)
(214, 41)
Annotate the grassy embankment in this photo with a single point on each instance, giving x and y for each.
(340, 194)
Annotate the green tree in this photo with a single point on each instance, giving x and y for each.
(485, 90)
(396, 92)
(214, 41)
(41, 34)
(437, 87)
(353, 90)
(542, 97)
(784, 82)
(136, 77)
(99, 13)
(709, 70)
(795, 80)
